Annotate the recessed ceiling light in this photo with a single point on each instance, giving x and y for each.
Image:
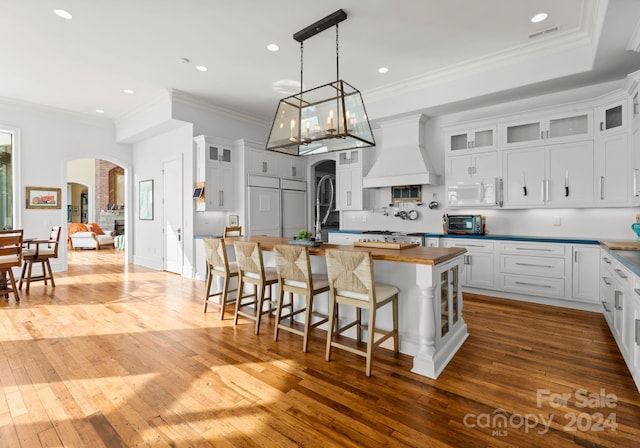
(129, 91)
(99, 111)
(63, 14)
(383, 70)
(539, 17)
(202, 68)
(272, 47)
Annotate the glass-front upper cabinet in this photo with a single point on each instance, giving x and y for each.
(612, 117)
(464, 140)
(553, 129)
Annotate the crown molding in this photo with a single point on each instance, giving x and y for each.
(204, 104)
(586, 34)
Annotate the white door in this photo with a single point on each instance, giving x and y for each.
(172, 208)
(264, 211)
(294, 212)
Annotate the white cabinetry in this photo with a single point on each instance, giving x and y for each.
(219, 191)
(585, 275)
(266, 163)
(635, 163)
(613, 166)
(465, 140)
(350, 169)
(296, 167)
(344, 239)
(555, 175)
(478, 262)
(634, 332)
(612, 117)
(532, 268)
(214, 167)
(562, 127)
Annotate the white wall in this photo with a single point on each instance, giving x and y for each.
(46, 139)
(148, 158)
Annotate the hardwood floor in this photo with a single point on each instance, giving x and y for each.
(123, 356)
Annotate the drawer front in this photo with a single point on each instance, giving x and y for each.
(537, 249)
(537, 286)
(536, 266)
(470, 244)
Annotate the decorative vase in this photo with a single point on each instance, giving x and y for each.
(636, 228)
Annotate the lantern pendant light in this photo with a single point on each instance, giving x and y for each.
(327, 118)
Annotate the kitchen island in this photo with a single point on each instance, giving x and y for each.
(431, 326)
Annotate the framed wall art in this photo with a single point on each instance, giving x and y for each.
(43, 197)
(146, 199)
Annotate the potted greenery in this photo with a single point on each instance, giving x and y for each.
(304, 238)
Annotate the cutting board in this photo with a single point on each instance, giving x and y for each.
(621, 245)
(383, 244)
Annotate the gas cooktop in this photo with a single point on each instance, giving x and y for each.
(389, 232)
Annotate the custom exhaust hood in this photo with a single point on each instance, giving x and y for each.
(402, 159)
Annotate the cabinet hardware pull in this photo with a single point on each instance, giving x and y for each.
(468, 245)
(546, 190)
(616, 300)
(602, 126)
(637, 291)
(606, 260)
(264, 167)
(473, 144)
(542, 190)
(534, 265)
(469, 170)
(541, 135)
(606, 307)
(220, 198)
(533, 284)
(635, 183)
(637, 332)
(468, 144)
(575, 257)
(620, 273)
(501, 192)
(547, 134)
(293, 171)
(602, 187)
(533, 248)
(606, 281)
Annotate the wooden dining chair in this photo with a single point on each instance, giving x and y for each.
(251, 270)
(295, 277)
(351, 282)
(233, 231)
(218, 265)
(10, 257)
(40, 251)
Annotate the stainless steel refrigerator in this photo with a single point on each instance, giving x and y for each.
(276, 207)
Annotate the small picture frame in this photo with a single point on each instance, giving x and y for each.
(43, 197)
(233, 220)
(146, 200)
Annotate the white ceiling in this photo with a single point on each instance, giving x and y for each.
(85, 63)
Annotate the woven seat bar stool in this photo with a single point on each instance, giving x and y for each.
(218, 265)
(40, 251)
(295, 277)
(351, 282)
(251, 270)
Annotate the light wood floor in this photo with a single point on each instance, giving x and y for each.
(117, 356)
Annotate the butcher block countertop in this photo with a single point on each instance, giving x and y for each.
(417, 255)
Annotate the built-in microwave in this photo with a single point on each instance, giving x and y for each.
(465, 224)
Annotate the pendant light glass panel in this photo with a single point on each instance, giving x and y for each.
(328, 118)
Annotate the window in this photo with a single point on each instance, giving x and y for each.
(6, 180)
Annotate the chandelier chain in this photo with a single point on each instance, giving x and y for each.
(337, 54)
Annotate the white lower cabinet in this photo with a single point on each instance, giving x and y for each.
(532, 268)
(585, 272)
(342, 238)
(634, 332)
(479, 261)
